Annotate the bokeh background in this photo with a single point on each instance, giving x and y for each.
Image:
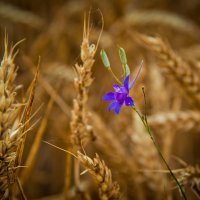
(53, 33)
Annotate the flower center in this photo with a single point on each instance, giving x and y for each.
(120, 97)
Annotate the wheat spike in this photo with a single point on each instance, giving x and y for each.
(174, 66)
(79, 123)
(10, 126)
(102, 174)
(182, 121)
(80, 128)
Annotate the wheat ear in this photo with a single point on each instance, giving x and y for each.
(175, 66)
(10, 126)
(182, 121)
(102, 174)
(79, 123)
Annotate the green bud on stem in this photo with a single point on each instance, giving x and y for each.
(127, 70)
(122, 55)
(104, 58)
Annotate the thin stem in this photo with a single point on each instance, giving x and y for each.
(147, 127)
(67, 176)
(77, 174)
(21, 189)
(112, 73)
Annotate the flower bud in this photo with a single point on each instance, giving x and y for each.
(122, 55)
(104, 58)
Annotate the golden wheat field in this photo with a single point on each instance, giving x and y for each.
(99, 100)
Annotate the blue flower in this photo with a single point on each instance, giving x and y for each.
(121, 94)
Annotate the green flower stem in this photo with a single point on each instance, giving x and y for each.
(112, 73)
(146, 125)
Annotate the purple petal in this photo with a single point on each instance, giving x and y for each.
(119, 89)
(132, 84)
(109, 96)
(112, 106)
(126, 81)
(118, 107)
(129, 101)
(116, 87)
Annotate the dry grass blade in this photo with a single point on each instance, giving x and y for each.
(26, 118)
(190, 175)
(21, 189)
(175, 66)
(102, 174)
(68, 175)
(36, 144)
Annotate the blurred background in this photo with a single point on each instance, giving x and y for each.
(53, 32)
